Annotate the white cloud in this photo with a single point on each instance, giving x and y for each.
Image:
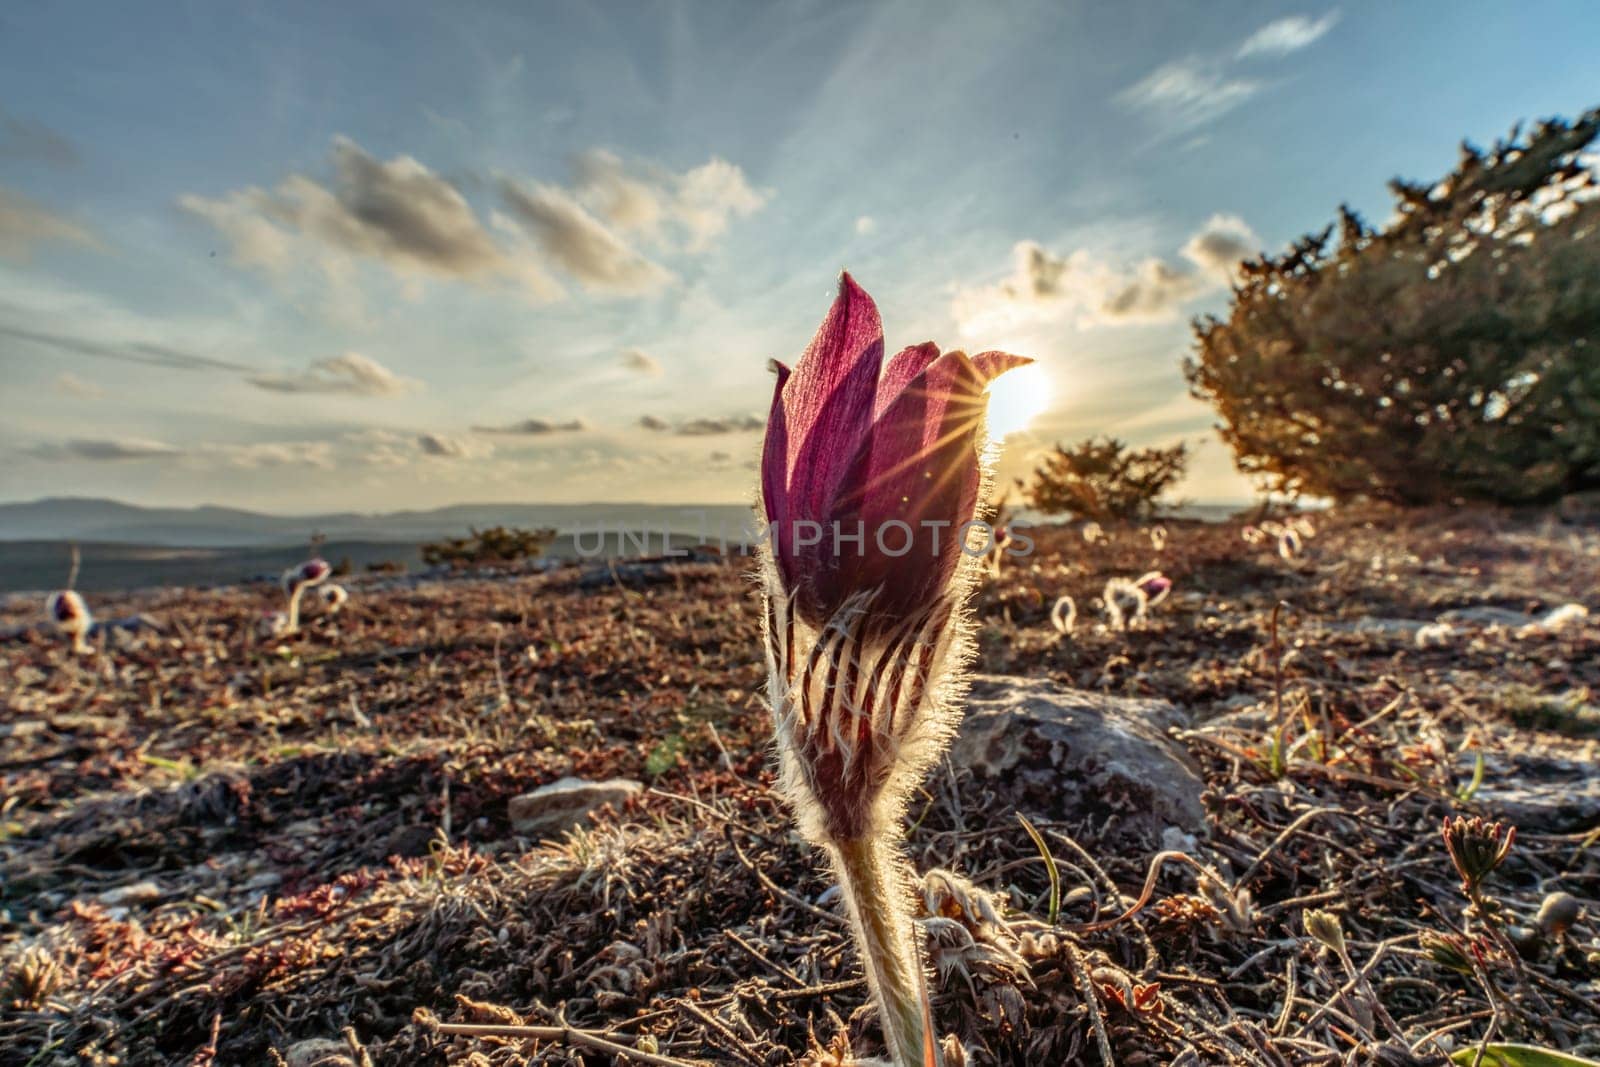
(865, 225)
(696, 205)
(709, 196)
(1280, 37)
(641, 362)
(1044, 286)
(351, 373)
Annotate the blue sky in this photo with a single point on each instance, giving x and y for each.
(304, 256)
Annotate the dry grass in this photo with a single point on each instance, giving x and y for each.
(316, 841)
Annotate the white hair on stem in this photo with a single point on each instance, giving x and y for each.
(904, 680)
(296, 580)
(1064, 614)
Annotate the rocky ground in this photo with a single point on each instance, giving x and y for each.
(218, 848)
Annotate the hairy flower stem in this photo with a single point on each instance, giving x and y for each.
(294, 609)
(876, 883)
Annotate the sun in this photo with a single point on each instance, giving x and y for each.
(1016, 398)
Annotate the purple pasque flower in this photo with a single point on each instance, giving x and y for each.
(870, 473)
(296, 580)
(1155, 586)
(71, 615)
(311, 572)
(870, 469)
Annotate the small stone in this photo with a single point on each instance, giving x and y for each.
(1557, 914)
(1539, 792)
(319, 1052)
(1486, 618)
(137, 893)
(563, 804)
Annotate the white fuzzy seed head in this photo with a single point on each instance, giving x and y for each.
(333, 597)
(1125, 603)
(70, 615)
(1064, 615)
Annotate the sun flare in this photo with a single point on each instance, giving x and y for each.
(1016, 398)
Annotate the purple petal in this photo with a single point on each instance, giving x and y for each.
(828, 400)
(919, 464)
(899, 373)
(993, 364)
(775, 474)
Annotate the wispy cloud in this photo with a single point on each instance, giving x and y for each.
(72, 385)
(24, 140)
(264, 454)
(713, 427)
(641, 362)
(1285, 35)
(133, 352)
(535, 427)
(704, 427)
(24, 224)
(1188, 92)
(104, 449)
(351, 373)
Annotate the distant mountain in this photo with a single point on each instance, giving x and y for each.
(113, 522)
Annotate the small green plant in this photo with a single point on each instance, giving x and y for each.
(665, 755)
(1049, 866)
(1470, 790)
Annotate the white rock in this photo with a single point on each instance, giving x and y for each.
(563, 804)
(1060, 753)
